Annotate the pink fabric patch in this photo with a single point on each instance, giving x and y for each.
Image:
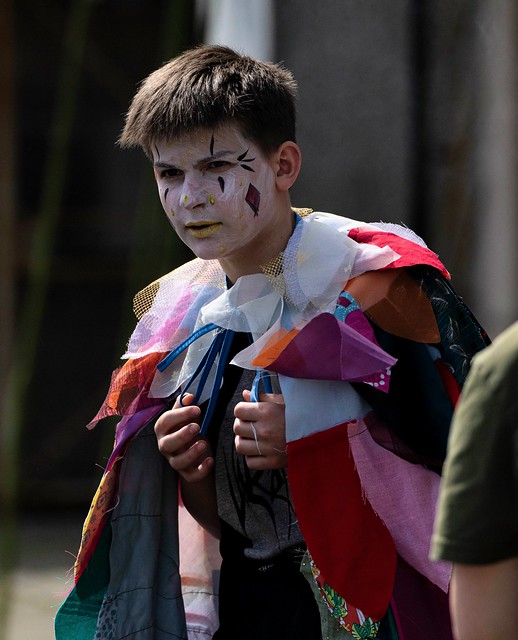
(348, 311)
(328, 349)
(404, 495)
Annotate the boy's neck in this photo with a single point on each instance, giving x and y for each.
(265, 251)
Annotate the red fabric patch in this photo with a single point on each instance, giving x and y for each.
(449, 382)
(411, 253)
(348, 542)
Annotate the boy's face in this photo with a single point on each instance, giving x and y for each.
(217, 189)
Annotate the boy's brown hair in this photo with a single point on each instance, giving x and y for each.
(208, 86)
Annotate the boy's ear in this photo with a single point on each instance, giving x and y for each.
(288, 162)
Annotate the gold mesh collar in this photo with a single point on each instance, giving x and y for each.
(274, 268)
(143, 300)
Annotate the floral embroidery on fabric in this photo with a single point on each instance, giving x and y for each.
(368, 629)
(461, 334)
(351, 619)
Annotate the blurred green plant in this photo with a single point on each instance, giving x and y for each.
(18, 373)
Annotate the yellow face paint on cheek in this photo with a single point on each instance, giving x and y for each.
(172, 213)
(212, 199)
(185, 199)
(222, 249)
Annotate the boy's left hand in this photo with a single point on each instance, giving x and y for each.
(260, 429)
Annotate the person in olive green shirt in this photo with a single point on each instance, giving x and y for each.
(477, 518)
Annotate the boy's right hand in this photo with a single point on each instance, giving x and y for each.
(179, 441)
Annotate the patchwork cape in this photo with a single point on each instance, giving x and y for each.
(371, 346)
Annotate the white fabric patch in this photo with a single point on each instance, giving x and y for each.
(316, 405)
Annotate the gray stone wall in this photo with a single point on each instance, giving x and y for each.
(352, 63)
(408, 113)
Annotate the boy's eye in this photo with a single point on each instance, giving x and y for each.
(170, 173)
(218, 164)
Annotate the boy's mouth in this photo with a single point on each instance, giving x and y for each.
(202, 229)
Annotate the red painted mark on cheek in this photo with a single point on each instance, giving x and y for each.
(253, 199)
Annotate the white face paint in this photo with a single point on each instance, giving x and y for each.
(217, 189)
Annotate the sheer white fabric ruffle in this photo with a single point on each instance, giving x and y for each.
(316, 264)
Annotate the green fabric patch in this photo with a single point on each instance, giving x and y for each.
(77, 616)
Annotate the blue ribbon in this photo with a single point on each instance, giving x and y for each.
(264, 377)
(220, 345)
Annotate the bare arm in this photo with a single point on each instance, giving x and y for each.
(177, 432)
(484, 600)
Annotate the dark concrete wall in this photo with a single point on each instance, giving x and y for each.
(353, 64)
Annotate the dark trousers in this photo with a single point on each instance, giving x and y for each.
(264, 600)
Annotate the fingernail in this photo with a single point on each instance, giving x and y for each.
(194, 429)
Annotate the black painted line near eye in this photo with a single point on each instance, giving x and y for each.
(243, 155)
(245, 166)
(212, 145)
(221, 184)
(157, 152)
(165, 193)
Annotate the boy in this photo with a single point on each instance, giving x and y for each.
(299, 376)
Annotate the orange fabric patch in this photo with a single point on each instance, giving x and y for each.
(395, 302)
(127, 382)
(274, 347)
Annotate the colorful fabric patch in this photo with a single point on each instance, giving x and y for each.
(395, 488)
(327, 349)
(129, 386)
(107, 620)
(351, 619)
(368, 629)
(412, 253)
(349, 311)
(347, 540)
(396, 303)
(461, 334)
(95, 520)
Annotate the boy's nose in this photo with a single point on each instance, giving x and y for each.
(193, 195)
